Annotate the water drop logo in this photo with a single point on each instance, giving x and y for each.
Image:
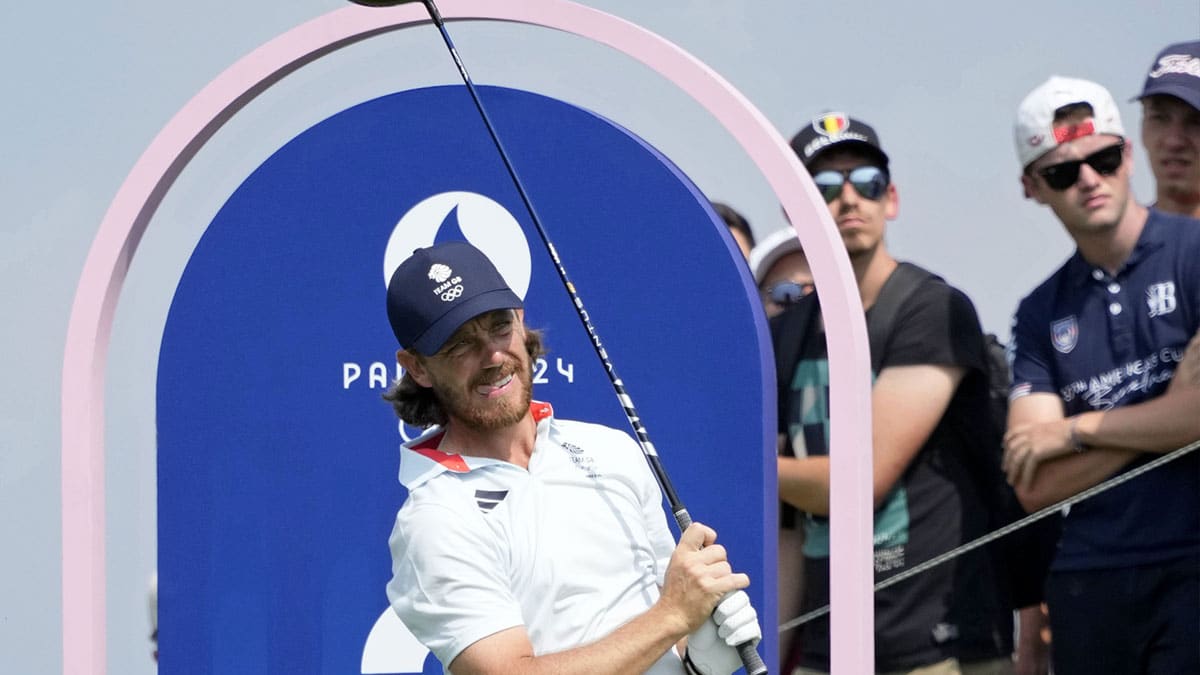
(463, 216)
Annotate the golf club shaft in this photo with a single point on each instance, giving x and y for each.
(677, 507)
(750, 659)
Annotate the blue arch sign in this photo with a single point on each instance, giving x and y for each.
(277, 457)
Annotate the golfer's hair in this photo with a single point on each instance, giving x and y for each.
(419, 406)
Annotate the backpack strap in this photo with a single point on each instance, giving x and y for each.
(789, 330)
(1023, 558)
(881, 322)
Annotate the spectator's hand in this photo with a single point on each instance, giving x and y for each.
(1187, 373)
(1032, 655)
(712, 648)
(1026, 446)
(698, 577)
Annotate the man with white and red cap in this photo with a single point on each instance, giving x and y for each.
(1095, 348)
(531, 544)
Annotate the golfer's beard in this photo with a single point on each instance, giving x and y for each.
(480, 415)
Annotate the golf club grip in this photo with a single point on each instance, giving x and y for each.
(751, 661)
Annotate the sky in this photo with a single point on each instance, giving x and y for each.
(89, 85)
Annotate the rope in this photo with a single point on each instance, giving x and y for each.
(1007, 529)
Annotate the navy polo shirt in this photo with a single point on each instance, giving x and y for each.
(1101, 341)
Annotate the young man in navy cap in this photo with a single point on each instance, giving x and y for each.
(530, 544)
(1171, 127)
(931, 421)
(1095, 347)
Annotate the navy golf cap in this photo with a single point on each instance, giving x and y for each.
(438, 289)
(1175, 72)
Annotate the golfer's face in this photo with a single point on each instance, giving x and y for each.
(482, 374)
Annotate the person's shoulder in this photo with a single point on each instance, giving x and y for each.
(935, 291)
(1177, 228)
(614, 451)
(441, 498)
(574, 425)
(960, 304)
(1165, 219)
(570, 429)
(937, 286)
(1044, 292)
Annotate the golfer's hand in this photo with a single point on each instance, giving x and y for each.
(712, 648)
(698, 577)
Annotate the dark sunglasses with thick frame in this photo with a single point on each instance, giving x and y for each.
(1104, 161)
(788, 292)
(870, 182)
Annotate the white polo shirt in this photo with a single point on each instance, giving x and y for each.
(571, 548)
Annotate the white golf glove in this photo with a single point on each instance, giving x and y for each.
(712, 649)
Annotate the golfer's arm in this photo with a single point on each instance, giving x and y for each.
(1065, 476)
(632, 648)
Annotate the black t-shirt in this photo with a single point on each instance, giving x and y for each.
(954, 609)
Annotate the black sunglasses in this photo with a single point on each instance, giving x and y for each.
(1065, 174)
(788, 292)
(870, 182)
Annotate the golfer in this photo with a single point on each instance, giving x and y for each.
(530, 544)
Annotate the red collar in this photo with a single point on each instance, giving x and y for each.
(455, 462)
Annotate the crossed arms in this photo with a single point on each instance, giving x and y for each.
(1049, 457)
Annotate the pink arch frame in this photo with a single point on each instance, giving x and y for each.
(90, 326)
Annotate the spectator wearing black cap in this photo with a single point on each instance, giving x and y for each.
(1171, 127)
(931, 428)
(529, 543)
